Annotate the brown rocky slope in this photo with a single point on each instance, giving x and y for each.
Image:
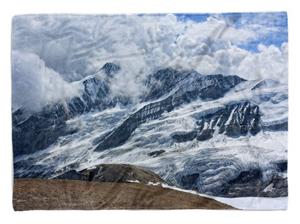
(105, 187)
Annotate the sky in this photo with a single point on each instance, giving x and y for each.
(49, 52)
(277, 21)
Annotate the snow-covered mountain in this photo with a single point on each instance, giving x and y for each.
(217, 134)
(38, 130)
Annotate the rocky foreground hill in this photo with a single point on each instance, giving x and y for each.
(105, 187)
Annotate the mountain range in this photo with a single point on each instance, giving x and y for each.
(219, 135)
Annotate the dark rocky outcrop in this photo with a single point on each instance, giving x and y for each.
(184, 136)
(39, 130)
(156, 153)
(205, 134)
(190, 85)
(111, 69)
(120, 173)
(233, 120)
(120, 134)
(281, 166)
(163, 81)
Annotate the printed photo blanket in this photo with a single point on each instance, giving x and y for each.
(150, 111)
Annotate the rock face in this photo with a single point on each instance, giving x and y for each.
(119, 173)
(39, 130)
(193, 87)
(233, 120)
(189, 85)
(120, 134)
(184, 136)
(111, 69)
(163, 81)
(156, 153)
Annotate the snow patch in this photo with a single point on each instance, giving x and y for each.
(133, 181)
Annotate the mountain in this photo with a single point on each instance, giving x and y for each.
(220, 135)
(39, 130)
(43, 128)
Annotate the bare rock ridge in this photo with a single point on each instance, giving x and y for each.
(163, 81)
(119, 173)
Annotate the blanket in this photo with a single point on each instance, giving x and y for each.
(150, 111)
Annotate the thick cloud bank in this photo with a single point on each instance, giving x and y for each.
(75, 46)
(35, 85)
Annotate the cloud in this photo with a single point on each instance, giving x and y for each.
(76, 46)
(35, 85)
(269, 63)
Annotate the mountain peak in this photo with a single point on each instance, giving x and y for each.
(110, 68)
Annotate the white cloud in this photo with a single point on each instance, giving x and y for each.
(76, 46)
(270, 62)
(35, 85)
